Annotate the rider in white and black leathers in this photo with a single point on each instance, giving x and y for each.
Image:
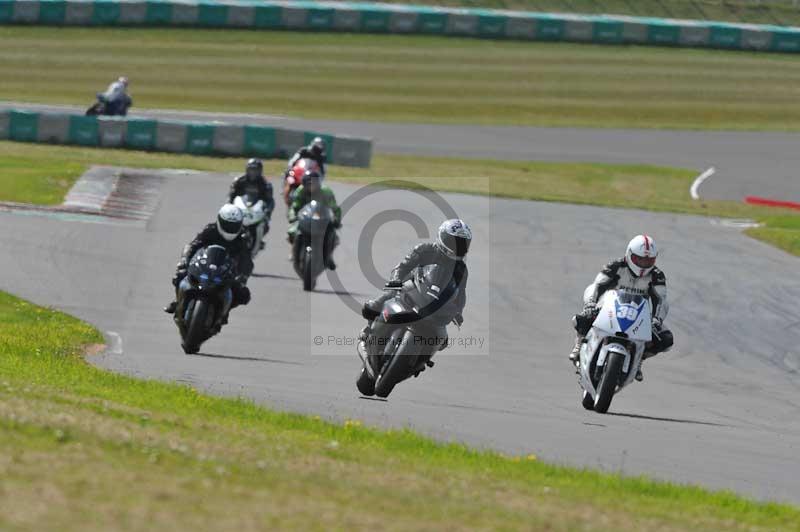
(449, 251)
(636, 272)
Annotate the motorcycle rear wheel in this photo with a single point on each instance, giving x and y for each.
(608, 382)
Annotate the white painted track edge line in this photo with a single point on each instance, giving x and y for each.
(694, 190)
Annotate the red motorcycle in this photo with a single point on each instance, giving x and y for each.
(294, 177)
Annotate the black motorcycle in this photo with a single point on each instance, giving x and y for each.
(411, 328)
(204, 297)
(105, 108)
(313, 240)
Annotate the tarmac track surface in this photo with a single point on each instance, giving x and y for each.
(719, 410)
(747, 163)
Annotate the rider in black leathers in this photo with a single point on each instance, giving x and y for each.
(449, 252)
(226, 232)
(254, 183)
(315, 151)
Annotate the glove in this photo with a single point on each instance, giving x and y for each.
(394, 284)
(582, 323)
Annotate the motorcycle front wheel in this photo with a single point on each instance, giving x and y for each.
(308, 274)
(608, 382)
(95, 109)
(398, 368)
(196, 331)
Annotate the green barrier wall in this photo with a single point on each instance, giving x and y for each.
(23, 126)
(83, 130)
(178, 137)
(140, 134)
(398, 18)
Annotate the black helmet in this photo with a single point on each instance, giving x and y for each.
(317, 146)
(311, 179)
(254, 168)
(454, 238)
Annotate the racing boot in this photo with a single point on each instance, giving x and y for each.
(575, 354)
(639, 375)
(170, 309)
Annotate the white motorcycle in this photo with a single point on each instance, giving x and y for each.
(614, 347)
(254, 213)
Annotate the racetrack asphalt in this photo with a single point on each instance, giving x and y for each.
(748, 163)
(720, 410)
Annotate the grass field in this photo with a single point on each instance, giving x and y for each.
(83, 449)
(408, 79)
(656, 188)
(783, 12)
(27, 180)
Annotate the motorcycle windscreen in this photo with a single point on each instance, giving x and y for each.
(211, 266)
(252, 208)
(625, 314)
(396, 313)
(314, 218)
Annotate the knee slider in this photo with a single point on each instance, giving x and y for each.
(243, 295)
(665, 340)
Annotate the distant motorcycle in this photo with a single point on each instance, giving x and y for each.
(614, 347)
(106, 108)
(204, 297)
(294, 177)
(255, 220)
(411, 328)
(309, 247)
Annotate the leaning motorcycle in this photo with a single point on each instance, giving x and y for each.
(103, 107)
(204, 297)
(254, 215)
(308, 248)
(614, 347)
(410, 329)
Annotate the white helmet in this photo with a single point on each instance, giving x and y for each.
(229, 221)
(641, 255)
(454, 238)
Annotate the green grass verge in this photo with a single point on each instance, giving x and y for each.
(84, 449)
(631, 186)
(780, 231)
(405, 78)
(25, 180)
(754, 12)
